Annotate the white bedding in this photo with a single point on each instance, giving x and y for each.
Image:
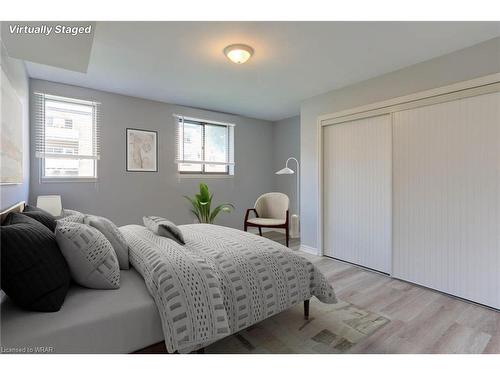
(221, 281)
(90, 321)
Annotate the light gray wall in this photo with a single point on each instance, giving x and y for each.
(286, 143)
(479, 60)
(16, 73)
(125, 197)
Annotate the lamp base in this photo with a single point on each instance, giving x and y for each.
(294, 226)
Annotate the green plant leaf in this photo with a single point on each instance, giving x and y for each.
(196, 207)
(201, 205)
(204, 194)
(225, 207)
(196, 214)
(195, 203)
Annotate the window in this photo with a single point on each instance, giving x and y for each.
(204, 147)
(67, 137)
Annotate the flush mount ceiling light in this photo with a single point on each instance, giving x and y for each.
(238, 53)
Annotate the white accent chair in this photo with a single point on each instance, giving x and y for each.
(271, 211)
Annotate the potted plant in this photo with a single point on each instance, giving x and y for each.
(201, 204)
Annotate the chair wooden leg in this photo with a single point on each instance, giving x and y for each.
(287, 233)
(306, 309)
(260, 231)
(245, 227)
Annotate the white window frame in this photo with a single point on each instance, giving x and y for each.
(45, 178)
(229, 164)
(40, 117)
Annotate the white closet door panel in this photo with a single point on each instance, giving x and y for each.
(357, 192)
(447, 197)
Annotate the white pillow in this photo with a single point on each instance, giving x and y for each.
(90, 256)
(67, 212)
(113, 235)
(72, 218)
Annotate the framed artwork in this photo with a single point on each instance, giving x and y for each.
(11, 134)
(142, 150)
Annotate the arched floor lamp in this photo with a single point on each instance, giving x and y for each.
(294, 232)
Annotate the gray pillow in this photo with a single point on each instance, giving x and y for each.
(163, 227)
(72, 218)
(67, 212)
(113, 235)
(90, 257)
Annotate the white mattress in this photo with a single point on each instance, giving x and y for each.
(90, 321)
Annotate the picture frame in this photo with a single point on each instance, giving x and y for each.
(141, 150)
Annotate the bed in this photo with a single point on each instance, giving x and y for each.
(90, 321)
(187, 296)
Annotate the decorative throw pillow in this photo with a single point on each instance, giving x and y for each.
(91, 258)
(66, 212)
(40, 216)
(163, 227)
(34, 273)
(29, 208)
(43, 217)
(113, 235)
(73, 218)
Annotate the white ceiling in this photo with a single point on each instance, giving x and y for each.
(183, 63)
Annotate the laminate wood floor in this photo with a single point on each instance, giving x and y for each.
(421, 320)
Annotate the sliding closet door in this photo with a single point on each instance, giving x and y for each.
(357, 192)
(447, 197)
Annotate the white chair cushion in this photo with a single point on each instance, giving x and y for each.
(272, 206)
(264, 221)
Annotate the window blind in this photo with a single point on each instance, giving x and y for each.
(66, 128)
(204, 142)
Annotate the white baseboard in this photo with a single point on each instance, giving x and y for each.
(309, 249)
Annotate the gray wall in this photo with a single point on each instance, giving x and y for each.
(286, 143)
(125, 197)
(16, 73)
(479, 60)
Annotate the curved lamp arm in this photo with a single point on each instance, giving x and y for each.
(298, 180)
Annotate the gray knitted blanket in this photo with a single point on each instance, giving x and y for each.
(223, 280)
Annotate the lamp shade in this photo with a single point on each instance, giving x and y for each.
(285, 170)
(50, 203)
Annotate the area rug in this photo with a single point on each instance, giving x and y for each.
(330, 329)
